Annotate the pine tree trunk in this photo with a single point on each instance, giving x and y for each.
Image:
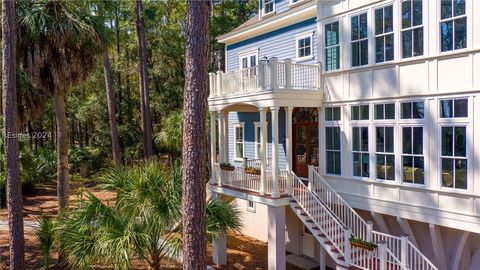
(194, 124)
(143, 75)
(111, 110)
(61, 149)
(12, 170)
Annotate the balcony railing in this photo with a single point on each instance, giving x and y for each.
(269, 75)
(242, 180)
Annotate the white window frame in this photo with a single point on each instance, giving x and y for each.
(384, 34)
(235, 126)
(333, 124)
(418, 123)
(257, 154)
(412, 28)
(264, 2)
(367, 38)
(453, 18)
(292, 3)
(325, 47)
(251, 208)
(247, 54)
(394, 153)
(360, 125)
(453, 108)
(385, 103)
(297, 39)
(467, 154)
(359, 113)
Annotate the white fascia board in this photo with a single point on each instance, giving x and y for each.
(281, 20)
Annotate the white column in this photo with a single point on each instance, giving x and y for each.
(225, 137)
(219, 247)
(322, 259)
(213, 146)
(273, 63)
(276, 238)
(289, 145)
(221, 144)
(263, 149)
(274, 113)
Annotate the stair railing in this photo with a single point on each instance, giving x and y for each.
(401, 247)
(328, 224)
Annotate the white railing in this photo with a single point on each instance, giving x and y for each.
(416, 259)
(336, 204)
(257, 163)
(400, 247)
(323, 218)
(239, 179)
(269, 75)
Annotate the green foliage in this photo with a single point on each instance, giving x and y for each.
(145, 221)
(169, 137)
(45, 236)
(89, 158)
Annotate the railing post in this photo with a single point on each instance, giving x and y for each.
(319, 76)
(244, 162)
(288, 73)
(369, 231)
(310, 177)
(273, 63)
(212, 83)
(261, 75)
(219, 83)
(404, 250)
(347, 248)
(382, 255)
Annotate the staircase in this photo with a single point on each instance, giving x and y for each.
(333, 222)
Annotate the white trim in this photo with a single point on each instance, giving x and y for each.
(324, 46)
(235, 126)
(384, 34)
(292, 4)
(412, 28)
(297, 39)
(452, 19)
(256, 126)
(359, 40)
(248, 54)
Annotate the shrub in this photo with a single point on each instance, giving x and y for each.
(45, 236)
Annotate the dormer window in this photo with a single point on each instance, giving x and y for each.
(268, 7)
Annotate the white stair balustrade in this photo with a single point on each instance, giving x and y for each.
(399, 252)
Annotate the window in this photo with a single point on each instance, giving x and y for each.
(413, 110)
(361, 157)
(454, 108)
(412, 155)
(359, 40)
(453, 25)
(258, 140)
(332, 143)
(268, 6)
(360, 112)
(384, 111)
(385, 153)
(384, 34)
(332, 46)
(251, 206)
(304, 47)
(239, 141)
(454, 156)
(332, 114)
(412, 28)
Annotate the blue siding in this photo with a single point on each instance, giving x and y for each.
(279, 43)
(249, 151)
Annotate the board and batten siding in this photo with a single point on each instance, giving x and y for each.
(279, 43)
(248, 118)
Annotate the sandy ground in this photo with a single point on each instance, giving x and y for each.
(243, 252)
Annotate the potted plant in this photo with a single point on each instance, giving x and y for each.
(252, 170)
(227, 167)
(359, 243)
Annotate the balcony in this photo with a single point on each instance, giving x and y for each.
(273, 79)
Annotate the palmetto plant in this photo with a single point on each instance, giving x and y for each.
(145, 221)
(45, 236)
